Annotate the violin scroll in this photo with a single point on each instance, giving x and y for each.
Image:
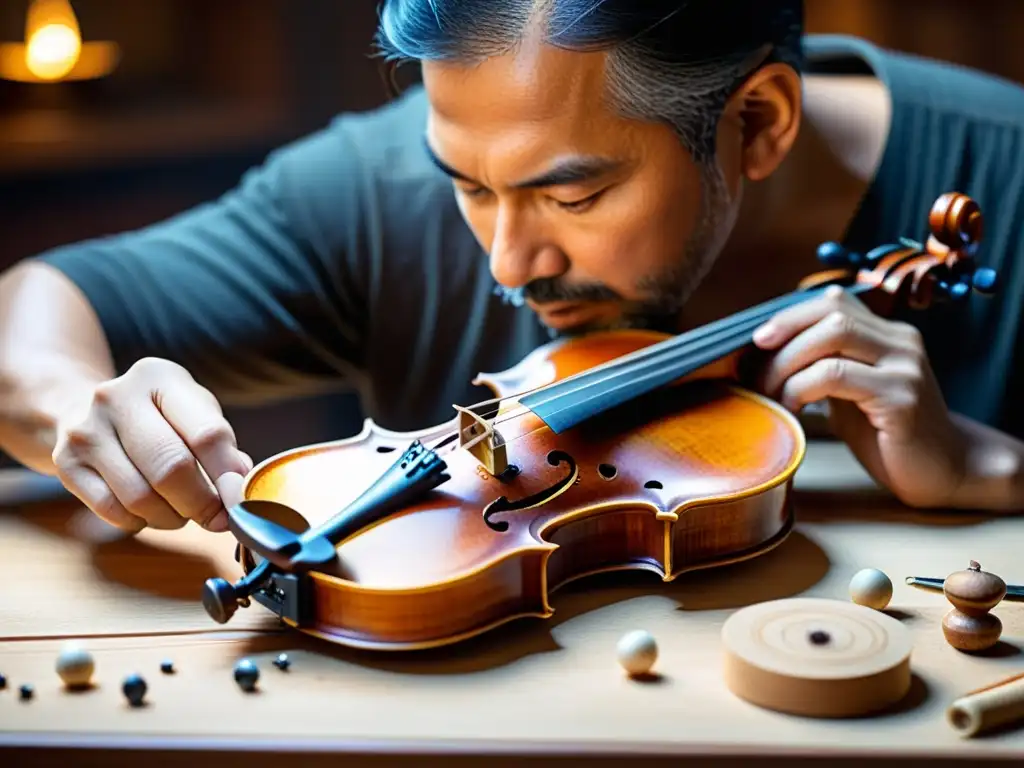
(956, 221)
(941, 270)
(956, 229)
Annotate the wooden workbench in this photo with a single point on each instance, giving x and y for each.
(540, 688)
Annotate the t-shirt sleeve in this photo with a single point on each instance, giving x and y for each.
(259, 293)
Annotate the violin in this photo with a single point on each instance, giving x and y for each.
(626, 449)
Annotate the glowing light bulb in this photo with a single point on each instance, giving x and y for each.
(53, 51)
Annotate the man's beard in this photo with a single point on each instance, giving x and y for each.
(664, 294)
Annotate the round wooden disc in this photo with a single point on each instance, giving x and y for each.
(817, 657)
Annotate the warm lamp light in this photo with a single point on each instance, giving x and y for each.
(53, 50)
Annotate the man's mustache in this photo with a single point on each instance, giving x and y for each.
(545, 290)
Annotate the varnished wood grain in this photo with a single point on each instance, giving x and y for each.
(689, 476)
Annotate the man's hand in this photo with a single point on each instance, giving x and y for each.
(884, 400)
(142, 449)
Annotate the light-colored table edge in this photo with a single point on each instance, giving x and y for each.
(760, 754)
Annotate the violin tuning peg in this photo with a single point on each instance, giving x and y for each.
(952, 291)
(985, 281)
(877, 254)
(832, 254)
(959, 291)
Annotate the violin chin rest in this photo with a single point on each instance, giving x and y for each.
(291, 552)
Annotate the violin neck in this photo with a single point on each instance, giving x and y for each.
(568, 402)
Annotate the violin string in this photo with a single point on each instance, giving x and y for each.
(717, 338)
(721, 336)
(710, 345)
(736, 335)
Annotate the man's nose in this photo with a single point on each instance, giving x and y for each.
(521, 252)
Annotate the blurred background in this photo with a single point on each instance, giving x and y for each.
(169, 101)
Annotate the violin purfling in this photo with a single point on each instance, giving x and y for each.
(622, 449)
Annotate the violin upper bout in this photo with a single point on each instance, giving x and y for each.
(565, 357)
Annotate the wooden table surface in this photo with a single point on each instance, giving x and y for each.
(545, 688)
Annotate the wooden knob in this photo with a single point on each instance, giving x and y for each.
(973, 591)
(971, 633)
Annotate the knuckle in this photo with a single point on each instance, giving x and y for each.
(213, 435)
(106, 507)
(152, 369)
(835, 299)
(105, 393)
(834, 369)
(138, 498)
(840, 323)
(913, 380)
(204, 514)
(913, 336)
(78, 438)
(172, 464)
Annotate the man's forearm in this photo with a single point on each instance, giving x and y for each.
(52, 354)
(994, 471)
(31, 406)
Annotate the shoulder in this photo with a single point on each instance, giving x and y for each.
(359, 159)
(867, 98)
(939, 86)
(389, 140)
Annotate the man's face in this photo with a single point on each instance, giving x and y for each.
(597, 220)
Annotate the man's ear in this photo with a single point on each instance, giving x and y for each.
(767, 107)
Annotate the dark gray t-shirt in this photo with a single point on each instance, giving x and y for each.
(342, 262)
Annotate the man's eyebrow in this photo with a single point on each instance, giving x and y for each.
(571, 170)
(445, 168)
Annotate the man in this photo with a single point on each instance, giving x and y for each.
(603, 164)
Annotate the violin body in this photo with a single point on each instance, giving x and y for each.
(693, 476)
(609, 451)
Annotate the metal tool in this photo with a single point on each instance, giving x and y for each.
(1014, 592)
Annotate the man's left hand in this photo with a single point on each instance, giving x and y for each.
(884, 400)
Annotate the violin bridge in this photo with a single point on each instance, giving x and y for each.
(483, 441)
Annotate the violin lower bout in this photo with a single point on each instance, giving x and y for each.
(657, 487)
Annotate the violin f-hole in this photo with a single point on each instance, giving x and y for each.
(502, 503)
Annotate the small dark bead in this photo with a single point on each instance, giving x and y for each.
(3, 682)
(26, 691)
(817, 637)
(134, 688)
(246, 674)
(167, 666)
(282, 661)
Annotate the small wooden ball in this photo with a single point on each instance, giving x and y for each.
(871, 588)
(974, 591)
(75, 665)
(637, 652)
(967, 632)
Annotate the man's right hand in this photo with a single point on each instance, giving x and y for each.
(142, 449)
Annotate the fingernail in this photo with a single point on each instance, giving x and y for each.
(247, 461)
(764, 334)
(229, 486)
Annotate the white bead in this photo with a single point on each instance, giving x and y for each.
(870, 587)
(637, 652)
(75, 665)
